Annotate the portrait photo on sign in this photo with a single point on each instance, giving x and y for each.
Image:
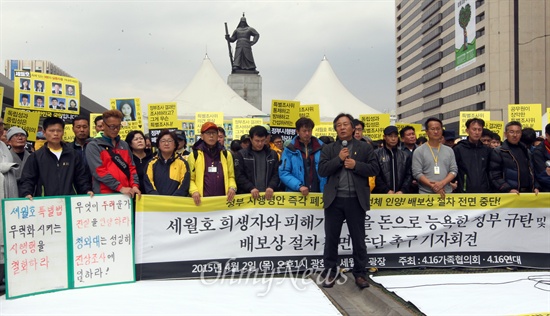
(73, 105)
(70, 90)
(39, 86)
(57, 88)
(128, 109)
(25, 84)
(38, 101)
(24, 99)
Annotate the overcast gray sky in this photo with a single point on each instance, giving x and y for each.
(152, 49)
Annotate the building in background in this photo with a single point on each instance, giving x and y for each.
(467, 55)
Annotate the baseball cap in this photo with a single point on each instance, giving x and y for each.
(449, 135)
(181, 135)
(208, 125)
(390, 129)
(267, 128)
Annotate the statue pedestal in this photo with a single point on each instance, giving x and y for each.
(248, 87)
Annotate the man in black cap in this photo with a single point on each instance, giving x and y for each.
(395, 165)
(182, 144)
(245, 141)
(448, 138)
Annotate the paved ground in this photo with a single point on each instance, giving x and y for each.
(376, 300)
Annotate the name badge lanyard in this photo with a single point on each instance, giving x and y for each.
(436, 167)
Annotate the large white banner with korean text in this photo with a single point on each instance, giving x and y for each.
(175, 238)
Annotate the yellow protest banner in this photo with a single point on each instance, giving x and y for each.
(162, 115)
(375, 124)
(417, 127)
(241, 126)
(496, 127)
(312, 111)
(93, 132)
(324, 129)
(466, 115)
(203, 117)
(46, 92)
(27, 120)
(1, 95)
(68, 133)
(132, 118)
(529, 115)
(284, 113)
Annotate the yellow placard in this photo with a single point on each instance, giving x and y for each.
(163, 115)
(529, 115)
(312, 111)
(241, 126)
(466, 115)
(131, 111)
(417, 128)
(375, 124)
(324, 129)
(27, 120)
(284, 113)
(496, 127)
(46, 92)
(68, 133)
(203, 117)
(1, 96)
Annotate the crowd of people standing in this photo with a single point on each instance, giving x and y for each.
(344, 170)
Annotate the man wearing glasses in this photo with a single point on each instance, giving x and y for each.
(17, 139)
(510, 166)
(212, 170)
(110, 159)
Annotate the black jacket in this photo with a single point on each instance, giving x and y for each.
(504, 169)
(44, 175)
(472, 161)
(540, 156)
(245, 166)
(330, 166)
(390, 172)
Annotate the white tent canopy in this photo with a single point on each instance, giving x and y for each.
(324, 88)
(208, 92)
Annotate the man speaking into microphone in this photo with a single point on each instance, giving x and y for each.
(347, 164)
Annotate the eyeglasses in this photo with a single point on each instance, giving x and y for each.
(167, 141)
(113, 127)
(19, 135)
(211, 133)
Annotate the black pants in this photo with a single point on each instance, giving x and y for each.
(350, 210)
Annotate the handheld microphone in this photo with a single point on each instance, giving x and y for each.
(344, 143)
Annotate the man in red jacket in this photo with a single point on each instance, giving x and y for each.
(110, 159)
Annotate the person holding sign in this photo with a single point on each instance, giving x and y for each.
(17, 139)
(54, 169)
(433, 164)
(347, 163)
(256, 166)
(167, 173)
(8, 187)
(299, 168)
(211, 166)
(110, 159)
(511, 168)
